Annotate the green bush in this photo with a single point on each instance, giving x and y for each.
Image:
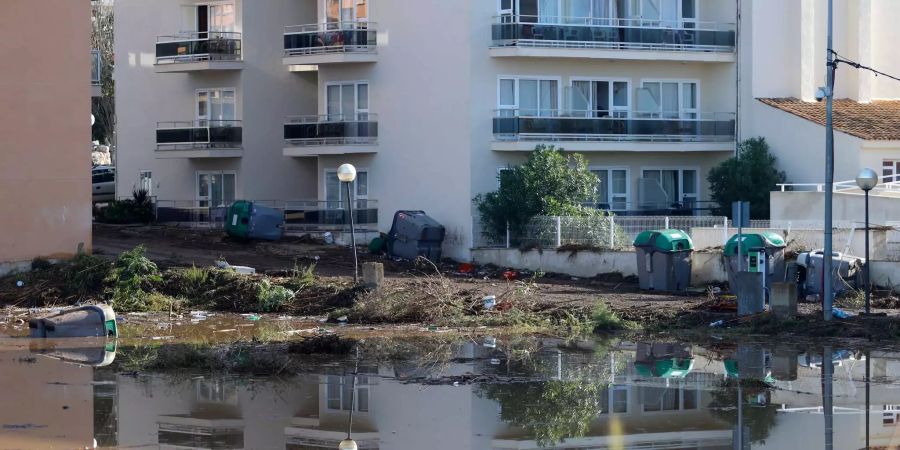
(550, 183)
(137, 209)
(605, 319)
(272, 297)
(131, 273)
(748, 177)
(85, 274)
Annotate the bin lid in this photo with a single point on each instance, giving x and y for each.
(665, 368)
(764, 239)
(665, 240)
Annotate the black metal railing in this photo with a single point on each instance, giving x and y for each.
(521, 125)
(333, 37)
(199, 134)
(194, 47)
(626, 34)
(331, 129)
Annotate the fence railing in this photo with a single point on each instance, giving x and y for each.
(300, 215)
(198, 46)
(618, 232)
(332, 37)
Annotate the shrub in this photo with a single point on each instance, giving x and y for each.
(272, 297)
(550, 183)
(137, 209)
(85, 274)
(605, 319)
(131, 272)
(748, 177)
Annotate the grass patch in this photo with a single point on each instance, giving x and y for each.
(604, 319)
(272, 297)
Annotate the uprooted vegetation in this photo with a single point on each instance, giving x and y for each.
(134, 283)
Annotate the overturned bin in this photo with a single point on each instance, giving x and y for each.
(84, 321)
(248, 220)
(847, 269)
(664, 260)
(414, 234)
(761, 252)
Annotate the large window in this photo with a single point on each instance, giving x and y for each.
(669, 99)
(215, 189)
(338, 390)
(210, 17)
(890, 170)
(215, 107)
(669, 399)
(612, 188)
(666, 187)
(347, 101)
(335, 192)
(615, 399)
(531, 97)
(658, 13)
(600, 98)
(346, 10)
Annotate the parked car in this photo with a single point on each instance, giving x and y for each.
(103, 179)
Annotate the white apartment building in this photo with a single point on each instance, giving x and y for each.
(783, 48)
(262, 100)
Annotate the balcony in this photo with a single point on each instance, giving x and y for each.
(623, 39)
(190, 52)
(517, 130)
(308, 46)
(332, 134)
(96, 68)
(199, 139)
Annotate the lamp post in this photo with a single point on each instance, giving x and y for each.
(349, 443)
(347, 175)
(867, 180)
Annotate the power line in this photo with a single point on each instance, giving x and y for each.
(841, 59)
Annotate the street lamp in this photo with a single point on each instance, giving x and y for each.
(348, 444)
(347, 175)
(867, 180)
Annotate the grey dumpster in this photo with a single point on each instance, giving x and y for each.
(664, 260)
(414, 234)
(766, 246)
(846, 267)
(83, 321)
(248, 220)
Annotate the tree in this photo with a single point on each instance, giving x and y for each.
(748, 177)
(550, 183)
(102, 37)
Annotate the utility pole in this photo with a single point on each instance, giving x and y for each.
(829, 169)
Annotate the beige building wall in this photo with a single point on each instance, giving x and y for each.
(45, 176)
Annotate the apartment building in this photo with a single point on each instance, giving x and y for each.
(783, 48)
(44, 118)
(263, 100)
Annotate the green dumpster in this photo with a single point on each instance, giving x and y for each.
(237, 221)
(248, 220)
(664, 260)
(665, 368)
(760, 252)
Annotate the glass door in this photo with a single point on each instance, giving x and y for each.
(346, 12)
(347, 102)
(681, 186)
(215, 189)
(669, 100)
(215, 107)
(538, 98)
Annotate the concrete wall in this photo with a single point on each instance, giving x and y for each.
(45, 176)
(707, 267)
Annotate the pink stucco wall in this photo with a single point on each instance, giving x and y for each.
(45, 186)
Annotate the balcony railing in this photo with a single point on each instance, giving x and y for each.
(556, 125)
(196, 47)
(331, 129)
(333, 37)
(95, 67)
(624, 34)
(199, 134)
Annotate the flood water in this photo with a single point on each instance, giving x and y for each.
(477, 393)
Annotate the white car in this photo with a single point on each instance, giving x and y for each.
(103, 179)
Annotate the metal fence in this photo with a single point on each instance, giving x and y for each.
(619, 232)
(300, 215)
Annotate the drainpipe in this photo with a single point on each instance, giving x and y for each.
(737, 69)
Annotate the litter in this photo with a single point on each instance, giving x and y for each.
(717, 324)
(328, 237)
(20, 283)
(490, 342)
(229, 330)
(342, 319)
(243, 270)
(490, 302)
(510, 275)
(466, 268)
(838, 313)
(251, 317)
(495, 361)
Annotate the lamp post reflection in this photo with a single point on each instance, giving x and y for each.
(828, 396)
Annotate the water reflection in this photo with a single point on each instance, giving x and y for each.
(544, 394)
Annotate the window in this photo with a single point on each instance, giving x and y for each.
(528, 97)
(669, 399)
(347, 101)
(668, 100)
(334, 191)
(215, 189)
(595, 98)
(890, 170)
(615, 400)
(582, 12)
(667, 13)
(215, 107)
(672, 186)
(612, 189)
(346, 10)
(338, 393)
(103, 175)
(145, 181)
(214, 17)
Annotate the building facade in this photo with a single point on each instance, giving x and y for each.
(45, 174)
(262, 101)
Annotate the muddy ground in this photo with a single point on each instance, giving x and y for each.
(653, 312)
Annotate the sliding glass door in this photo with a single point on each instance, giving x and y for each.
(347, 101)
(600, 98)
(669, 99)
(215, 107)
(530, 97)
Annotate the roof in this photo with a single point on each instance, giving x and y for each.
(875, 121)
